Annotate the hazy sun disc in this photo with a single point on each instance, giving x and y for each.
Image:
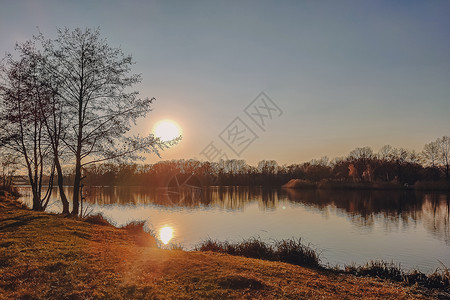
(166, 130)
(165, 234)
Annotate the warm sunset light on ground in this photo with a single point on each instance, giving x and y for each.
(166, 130)
(165, 234)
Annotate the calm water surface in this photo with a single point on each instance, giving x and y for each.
(410, 228)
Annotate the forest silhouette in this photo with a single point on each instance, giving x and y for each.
(390, 168)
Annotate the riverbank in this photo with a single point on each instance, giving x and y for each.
(50, 256)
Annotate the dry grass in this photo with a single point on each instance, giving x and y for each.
(46, 256)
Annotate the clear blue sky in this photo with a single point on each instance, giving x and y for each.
(344, 73)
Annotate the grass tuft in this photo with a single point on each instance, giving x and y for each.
(377, 268)
(176, 246)
(294, 252)
(290, 251)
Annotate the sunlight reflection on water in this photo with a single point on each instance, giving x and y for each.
(165, 234)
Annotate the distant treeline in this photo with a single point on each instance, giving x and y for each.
(397, 166)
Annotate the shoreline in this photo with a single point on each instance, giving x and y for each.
(305, 184)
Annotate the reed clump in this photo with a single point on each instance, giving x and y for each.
(291, 251)
(439, 279)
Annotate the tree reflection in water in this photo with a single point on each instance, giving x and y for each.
(394, 209)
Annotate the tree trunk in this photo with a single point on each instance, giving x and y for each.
(76, 187)
(62, 194)
(36, 203)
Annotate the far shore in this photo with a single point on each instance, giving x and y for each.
(322, 185)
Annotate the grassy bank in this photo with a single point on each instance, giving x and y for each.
(294, 252)
(47, 256)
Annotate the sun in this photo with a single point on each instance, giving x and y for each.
(166, 130)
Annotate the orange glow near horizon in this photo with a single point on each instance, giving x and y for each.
(166, 130)
(165, 234)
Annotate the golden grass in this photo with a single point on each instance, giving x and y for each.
(47, 256)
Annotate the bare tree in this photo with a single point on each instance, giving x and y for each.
(22, 122)
(361, 153)
(430, 153)
(93, 86)
(267, 167)
(9, 165)
(444, 154)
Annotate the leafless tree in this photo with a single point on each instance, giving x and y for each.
(93, 83)
(444, 154)
(361, 153)
(21, 128)
(9, 165)
(430, 153)
(385, 153)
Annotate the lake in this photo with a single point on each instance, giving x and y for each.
(407, 227)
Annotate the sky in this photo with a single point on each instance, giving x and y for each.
(334, 75)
